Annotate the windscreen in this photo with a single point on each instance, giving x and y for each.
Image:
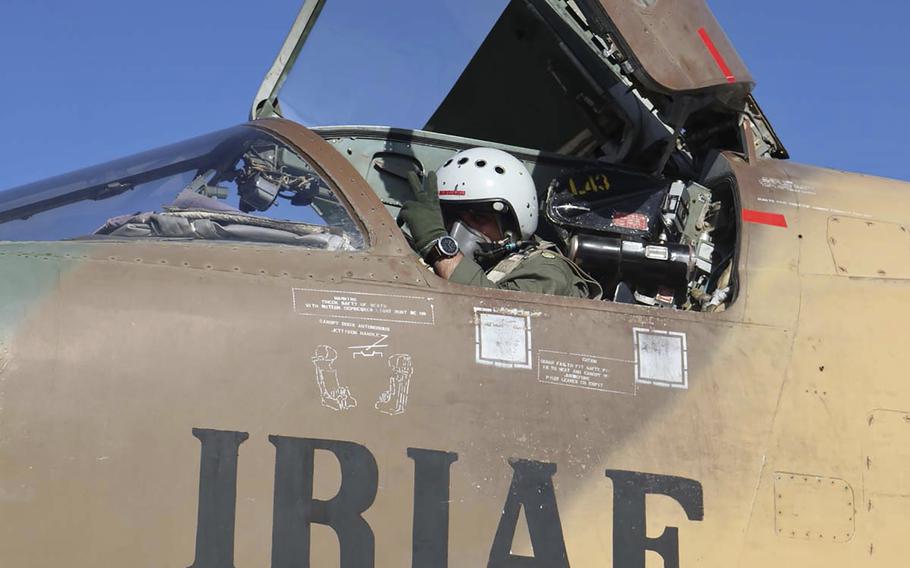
(239, 184)
(384, 63)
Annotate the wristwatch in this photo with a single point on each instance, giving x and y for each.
(442, 248)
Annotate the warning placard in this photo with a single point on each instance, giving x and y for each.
(364, 306)
(586, 372)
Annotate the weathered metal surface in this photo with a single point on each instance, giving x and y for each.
(813, 508)
(128, 361)
(886, 484)
(869, 249)
(102, 364)
(678, 43)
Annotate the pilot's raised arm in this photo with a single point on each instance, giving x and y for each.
(473, 221)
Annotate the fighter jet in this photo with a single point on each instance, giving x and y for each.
(225, 353)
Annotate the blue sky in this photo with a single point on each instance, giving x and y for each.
(85, 82)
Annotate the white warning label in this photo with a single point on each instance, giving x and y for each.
(364, 306)
(586, 372)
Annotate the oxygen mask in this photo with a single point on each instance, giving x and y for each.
(469, 239)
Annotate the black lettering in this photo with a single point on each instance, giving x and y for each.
(531, 489)
(296, 509)
(629, 517)
(430, 544)
(217, 497)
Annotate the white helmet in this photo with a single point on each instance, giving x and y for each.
(487, 175)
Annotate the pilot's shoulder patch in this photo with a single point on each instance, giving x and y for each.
(549, 255)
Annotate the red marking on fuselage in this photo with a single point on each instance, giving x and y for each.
(764, 218)
(458, 192)
(715, 53)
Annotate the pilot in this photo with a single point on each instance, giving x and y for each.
(473, 221)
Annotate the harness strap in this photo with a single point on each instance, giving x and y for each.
(511, 262)
(507, 265)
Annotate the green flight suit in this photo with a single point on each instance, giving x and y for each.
(538, 270)
(541, 272)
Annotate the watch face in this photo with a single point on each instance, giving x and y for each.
(448, 246)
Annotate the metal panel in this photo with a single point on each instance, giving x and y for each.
(679, 43)
(869, 249)
(886, 485)
(285, 58)
(813, 508)
(887, 455)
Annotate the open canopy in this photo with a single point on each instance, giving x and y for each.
(611, 79)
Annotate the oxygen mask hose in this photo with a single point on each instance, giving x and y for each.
(496, 251)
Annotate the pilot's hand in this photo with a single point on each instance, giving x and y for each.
(423, 215)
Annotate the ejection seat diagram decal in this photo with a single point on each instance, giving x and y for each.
(371, 350)
(394, 400)
(332, 393)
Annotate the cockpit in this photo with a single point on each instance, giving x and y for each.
(646, 239)
(624, 139)
(631, 176)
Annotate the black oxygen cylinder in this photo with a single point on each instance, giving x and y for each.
(631, 261)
